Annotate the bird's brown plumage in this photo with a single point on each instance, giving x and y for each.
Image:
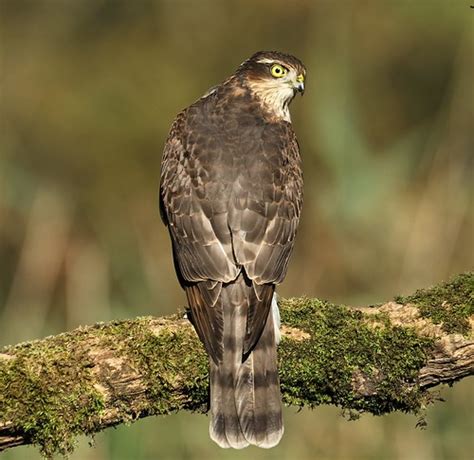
(231, 196)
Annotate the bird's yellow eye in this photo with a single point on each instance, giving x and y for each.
(278, 70)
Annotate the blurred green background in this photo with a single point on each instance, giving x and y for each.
(88, 92)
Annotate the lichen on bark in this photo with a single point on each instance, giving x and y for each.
(47, 391)
(373, 360)
(450, 304)
(346, 349)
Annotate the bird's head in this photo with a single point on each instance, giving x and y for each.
(274, 78)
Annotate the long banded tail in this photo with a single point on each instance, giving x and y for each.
(245, 392)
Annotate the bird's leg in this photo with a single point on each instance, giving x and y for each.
(276, 318)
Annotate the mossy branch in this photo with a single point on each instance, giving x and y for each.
(372, 359)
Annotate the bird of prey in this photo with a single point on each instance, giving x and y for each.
(231, 195)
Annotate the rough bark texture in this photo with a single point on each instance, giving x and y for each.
(371, 359)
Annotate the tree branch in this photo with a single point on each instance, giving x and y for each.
(371, 359)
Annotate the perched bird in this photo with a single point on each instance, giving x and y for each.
(231, 195)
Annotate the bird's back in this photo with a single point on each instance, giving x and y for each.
(231, 195)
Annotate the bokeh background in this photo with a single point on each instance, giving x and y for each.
(88, 92)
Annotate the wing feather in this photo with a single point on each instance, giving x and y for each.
(229, 203)
(264, 230)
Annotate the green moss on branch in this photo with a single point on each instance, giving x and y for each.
(47, 391)
(450, 304)
(345, 347)
(83, 381)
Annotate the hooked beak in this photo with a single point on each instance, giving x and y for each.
(299, 85)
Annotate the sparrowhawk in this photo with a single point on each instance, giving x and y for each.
(231, 195)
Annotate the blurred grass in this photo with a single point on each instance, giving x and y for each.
(88, 92)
